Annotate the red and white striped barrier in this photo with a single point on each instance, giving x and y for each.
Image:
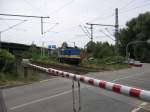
(130, 91)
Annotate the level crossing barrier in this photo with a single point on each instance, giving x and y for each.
(117, 88)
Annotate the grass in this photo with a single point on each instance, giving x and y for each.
(96, 65)
(86, 66)
(12, 79)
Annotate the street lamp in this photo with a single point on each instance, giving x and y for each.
(134, 42)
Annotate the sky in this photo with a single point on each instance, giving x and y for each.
(67, 20)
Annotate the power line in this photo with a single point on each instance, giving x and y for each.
(32, 6)
(51, 28)
(11, 19)
(24, 16)
(109, 32)
(100, 17)
(41, 17)
(84, 31)
(43, 4)
(126, 5)
(62, 7)
(106, 35)
(27, 2)
(133, 8)
(11, 27)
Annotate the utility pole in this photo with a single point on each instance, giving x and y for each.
(91, 27)
(43, 49)
(42, 25)
(74, 44)
(116, 26)
(41, 17)
(0, 40)
(91, 32)
(116, 30)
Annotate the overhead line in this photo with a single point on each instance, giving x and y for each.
(51, 28)
(109, 32)
(84, 31)
(134, 8)
(130, 2)
(62, 7)
(24, 16)
(13, 26)
(105, 18)
(32, 6)
(100, 24)
(11, 19)
(107, 35)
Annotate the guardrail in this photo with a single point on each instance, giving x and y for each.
(117, 88)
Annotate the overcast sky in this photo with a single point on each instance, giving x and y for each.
(65, 18)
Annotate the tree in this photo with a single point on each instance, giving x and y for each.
(33, 52)
(99, 49)
(6, 60)
(90, 46)
(64, 45)
(137, 29)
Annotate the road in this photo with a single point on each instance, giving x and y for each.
(55, 95)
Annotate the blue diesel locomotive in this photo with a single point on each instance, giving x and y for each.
(69, 55)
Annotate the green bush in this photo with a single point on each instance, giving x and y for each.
(6, 60)
(106, 60)
(113, 59)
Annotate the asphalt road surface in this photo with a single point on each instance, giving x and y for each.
(55, 95)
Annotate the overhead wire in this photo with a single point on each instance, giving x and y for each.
(44, 2)
(107, 35)
(84, 31)
(62, 7)
(106, 29)
(11, 19)
(49, 30)
(3, 19)
(33, 7)
(102, 18)
(127, 5)
(11, 27)
(133, 8)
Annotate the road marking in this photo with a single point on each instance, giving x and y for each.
(48, 80)
(42, 99)
(139, 107)
(117, 79)
(39, 100)
(69, 91)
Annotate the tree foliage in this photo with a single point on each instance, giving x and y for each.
(99, 49)
(64, 45)
(6, 60)
(137, 29)
(32, 53)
